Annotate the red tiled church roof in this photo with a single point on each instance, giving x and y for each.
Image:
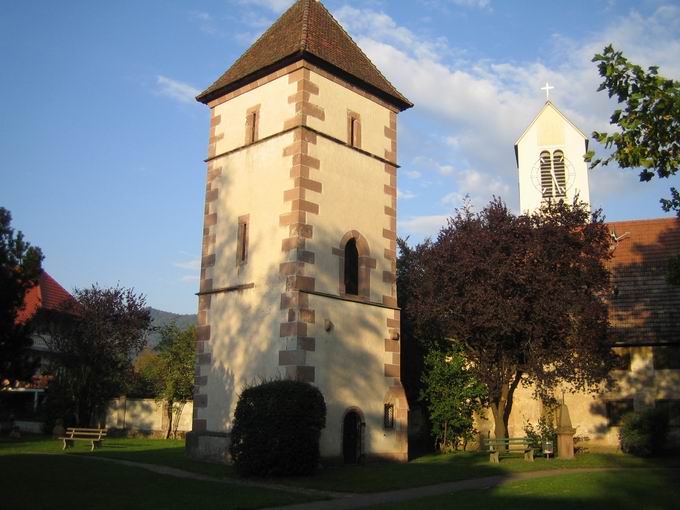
(645, 309)
(306, 30)
(46, 295)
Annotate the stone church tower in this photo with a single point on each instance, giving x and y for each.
(299, 238)
(550, 160)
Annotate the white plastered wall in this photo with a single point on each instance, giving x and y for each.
(353, 198)
(245, 324)
(351, 357)
(336, 100)
(274, 110)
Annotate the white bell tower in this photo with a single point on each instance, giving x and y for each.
(550, 160)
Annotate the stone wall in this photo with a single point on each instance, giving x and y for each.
(143, 415)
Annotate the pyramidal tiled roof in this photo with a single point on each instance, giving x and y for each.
(306, 30)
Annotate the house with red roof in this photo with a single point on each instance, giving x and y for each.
(47, 297)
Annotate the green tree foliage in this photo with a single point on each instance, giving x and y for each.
(20, 268)
(409, 276)
(524, 296)
(95, 339)
(648, 135)
(452, 395)
(172, 371)
(277, 426)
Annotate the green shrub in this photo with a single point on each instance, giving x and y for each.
(544, 431)
(277, 425)
(644, 434)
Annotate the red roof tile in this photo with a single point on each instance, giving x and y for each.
(47, 295)
(306, 30)
(645, 309)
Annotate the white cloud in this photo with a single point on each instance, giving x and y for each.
(486, 105)
(177, 90)
(274, 5)
(482, 4)
(206, 22)
(193, 264)
(428, 164)
(405, 195)
(414, 174)
(383, 28)
(423, 225)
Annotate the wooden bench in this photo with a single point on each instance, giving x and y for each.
(94, 436)
(510, 444)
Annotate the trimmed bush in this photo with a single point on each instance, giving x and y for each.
(276, 430)
(644, 434)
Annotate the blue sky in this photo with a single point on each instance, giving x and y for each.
(102, 144)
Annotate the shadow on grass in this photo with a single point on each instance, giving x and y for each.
(57, 482)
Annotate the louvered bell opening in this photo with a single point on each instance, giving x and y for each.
(546, 177)
(560, 174)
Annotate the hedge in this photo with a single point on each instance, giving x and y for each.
(644, 434)
(276, 430)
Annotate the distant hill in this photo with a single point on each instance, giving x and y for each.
(159, 318)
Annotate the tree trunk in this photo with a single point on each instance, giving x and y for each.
(168, 409)
(501, 406)
(178, 416)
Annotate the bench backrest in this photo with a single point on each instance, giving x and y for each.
(525, 442)
(85, 432)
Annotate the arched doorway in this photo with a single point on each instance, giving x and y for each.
(352, 426)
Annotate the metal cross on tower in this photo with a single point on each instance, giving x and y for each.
(547, 89)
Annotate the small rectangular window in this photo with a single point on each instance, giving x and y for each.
(242, 241)
(388, 416)
(617, 409)
(667, 357)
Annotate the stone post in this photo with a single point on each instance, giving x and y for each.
(565, 435)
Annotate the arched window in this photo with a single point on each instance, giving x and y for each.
(351, 268)
(546, 175)
(560, 183)
(354, 264)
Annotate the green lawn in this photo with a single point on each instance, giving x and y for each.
(641, 489)
(55, 482)
(432, 469)
(149, 451)
(426, 470)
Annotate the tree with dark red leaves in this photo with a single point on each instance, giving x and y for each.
(524, 297)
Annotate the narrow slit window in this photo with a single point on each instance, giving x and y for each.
(353, 129)
(388, 416)
(253, 127)
(351, 268)
(252, 121)
(242, 242)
